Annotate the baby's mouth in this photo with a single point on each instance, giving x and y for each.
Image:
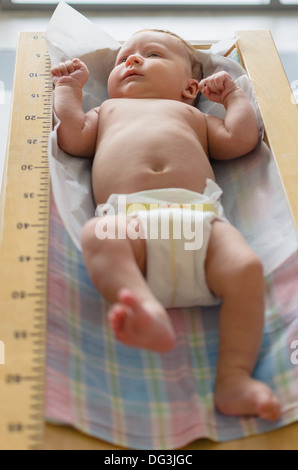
(131, 73)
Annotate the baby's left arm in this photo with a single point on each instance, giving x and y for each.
(237, 134)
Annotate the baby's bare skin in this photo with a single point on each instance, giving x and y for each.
(149, 136)
(149, 144)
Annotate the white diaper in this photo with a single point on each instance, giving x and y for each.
(176, 224)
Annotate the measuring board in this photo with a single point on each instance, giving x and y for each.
(24, 233)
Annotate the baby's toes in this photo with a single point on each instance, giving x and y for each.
(117, 318)
(270, 409)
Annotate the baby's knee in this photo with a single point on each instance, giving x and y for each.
(88, 236)
(231, 264)
(101, 232)
(248, 272)
(254, 265)
(251, 263)
(97, 250)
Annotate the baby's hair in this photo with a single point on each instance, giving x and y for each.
(196, 65)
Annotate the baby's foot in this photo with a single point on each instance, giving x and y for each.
(143, 324)
(242, 395)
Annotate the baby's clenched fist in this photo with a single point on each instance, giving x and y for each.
(71, 72)
(218, 86)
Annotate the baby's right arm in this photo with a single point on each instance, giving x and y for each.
(77, 133)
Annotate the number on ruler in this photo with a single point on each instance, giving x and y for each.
(21, 225)
(22, 334)
(13, 378)
(15, 427)
(27, 167)
(24, 259)
(31, 117)
(18, 294)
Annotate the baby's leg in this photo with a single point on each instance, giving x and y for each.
(235, 274)
(116, 267)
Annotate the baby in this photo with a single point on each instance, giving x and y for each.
(148, 140)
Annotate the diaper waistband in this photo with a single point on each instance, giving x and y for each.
(134, 207)
(167, 198)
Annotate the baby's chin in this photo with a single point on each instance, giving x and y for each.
(132, 92)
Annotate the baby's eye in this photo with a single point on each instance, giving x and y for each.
(154, 54)
(123, 60)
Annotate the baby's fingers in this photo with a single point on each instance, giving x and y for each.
(218, 82)
(210, 90)
(77, 64)
(214, 84)
(203, 87)
(66, 68)
(56, 72)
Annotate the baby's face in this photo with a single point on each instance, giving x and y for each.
(150, 65)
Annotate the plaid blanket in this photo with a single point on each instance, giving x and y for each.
(143, 400)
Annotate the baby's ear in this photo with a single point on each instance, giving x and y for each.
(191, 90)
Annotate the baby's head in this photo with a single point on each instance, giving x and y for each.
(156, 64)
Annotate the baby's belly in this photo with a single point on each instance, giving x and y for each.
(153, 173)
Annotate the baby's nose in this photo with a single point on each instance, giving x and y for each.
(134, 59)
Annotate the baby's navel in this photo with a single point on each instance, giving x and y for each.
(158, 168)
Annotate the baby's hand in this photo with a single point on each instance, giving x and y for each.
(217, 87)
(72, 72)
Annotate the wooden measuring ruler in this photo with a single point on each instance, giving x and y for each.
(24, 233)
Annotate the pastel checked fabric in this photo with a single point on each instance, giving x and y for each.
(143, 400)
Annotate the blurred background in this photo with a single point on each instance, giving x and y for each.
(198, 20)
